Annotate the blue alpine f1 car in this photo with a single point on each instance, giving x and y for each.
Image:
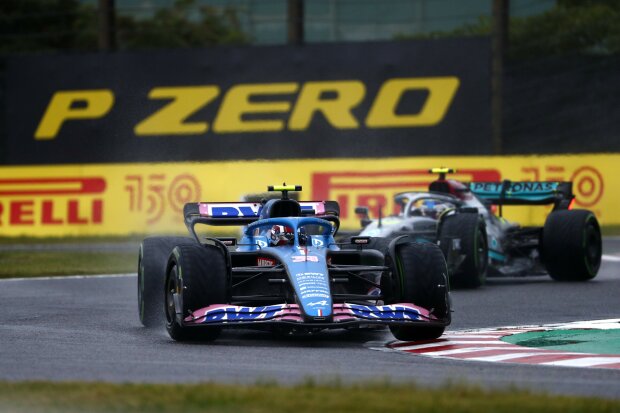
(286, 272)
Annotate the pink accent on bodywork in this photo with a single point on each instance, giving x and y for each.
(203, 209)
(319, 207)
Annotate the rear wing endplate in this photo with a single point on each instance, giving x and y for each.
(524, 193)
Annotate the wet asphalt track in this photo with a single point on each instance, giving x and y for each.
(87, 329)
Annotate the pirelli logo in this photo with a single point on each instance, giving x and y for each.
(262, 107)
(376, 189)
(51, 201)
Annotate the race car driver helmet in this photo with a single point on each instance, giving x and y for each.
(429, 208)
(439, 209)
(281, 235)
(421, 207)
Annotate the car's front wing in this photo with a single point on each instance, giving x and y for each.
(342, 315)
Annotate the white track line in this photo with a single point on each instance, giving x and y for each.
(69, 277)
(509, 356)
(584, 362)
(449, 342)
(475, 350)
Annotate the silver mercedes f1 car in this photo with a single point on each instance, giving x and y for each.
(465, 220)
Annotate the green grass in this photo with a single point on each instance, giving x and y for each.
(610, 230)
(51, 263)
(381, 397)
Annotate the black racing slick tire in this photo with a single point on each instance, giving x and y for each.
(572, 245)
(421, 279)
(198, 275)
(470, 231)
(152, 260)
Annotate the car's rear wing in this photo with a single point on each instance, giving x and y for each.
(524, 193)
(244, 213)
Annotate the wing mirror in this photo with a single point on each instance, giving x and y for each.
(364, 217)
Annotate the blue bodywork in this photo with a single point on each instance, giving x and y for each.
(305, 262)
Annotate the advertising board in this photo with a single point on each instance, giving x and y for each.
(350, 100)
(122, 199)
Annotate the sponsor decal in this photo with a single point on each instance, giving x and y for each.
(148, 198)
(66, 106)
(515, 187)
(304, 258)
(313, 285)
(229, 242)
(587, 186)
(317, 242)
(315, 303)
(316, 207)
(385, 312)
(265, 262)
(230, 210)
(242, 102)
(234, 313)
(31, 202)
(153, 194)
(177, 113)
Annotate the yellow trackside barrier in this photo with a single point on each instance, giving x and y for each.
(148, 198)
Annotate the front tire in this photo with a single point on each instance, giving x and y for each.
(421, 279)
(572, 245)
(470, 229)
(197, 275)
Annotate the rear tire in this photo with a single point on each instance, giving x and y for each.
(572, 245)
(421, 279)
(152, 260)
(470, 229)
(198, 273)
